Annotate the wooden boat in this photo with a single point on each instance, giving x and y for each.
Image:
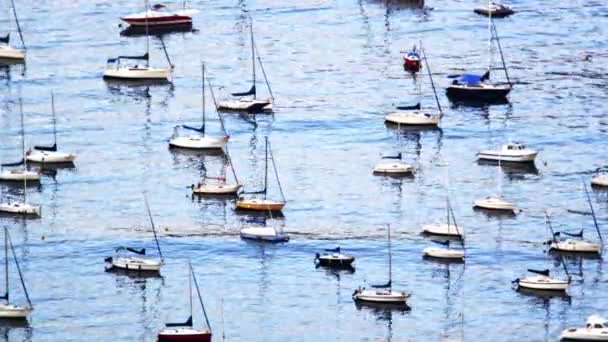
(263, 204)
(450, 229)
(412, 61)
(49, 154)
(383, 293)
(334, 258)
(578, 245)
(8, 52)
(200, 141)
(479, 89)
(160, 15)
(122, 261)
(511, 152)
(248, 101)
(596, 329)
(185, 332)
(414, 115)
(8, 310)
(261, 232)
(600, 180)
(494, 10)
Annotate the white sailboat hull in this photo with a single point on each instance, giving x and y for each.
(136, 264)
(14, 311)
(394, 168)
(576, 246)
(197, 142)
(493, 203)
(49, 157)
(19, 175)
(245, 105)
(139, 73)
(413, 119)
(20, 208)
(217, 189)
(441, 229)
(263, 234)
(381, 296)
(523, 157)
(9, 52)
(443, 253)
(543, 283)
(600, 180)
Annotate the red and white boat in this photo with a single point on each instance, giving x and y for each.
(412, 61)
(185, 332)
(160, 15)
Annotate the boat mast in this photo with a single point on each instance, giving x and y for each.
(153, 228)
(147, 36)
(491, 32)
(230, 163)
(428, 70)
(6, 263)
(276, 173)
(266, 168)
(23, 152)
(252, 55)
(597, 227)
(190, 287)
(203, 93)
(18, 26)
(548, 221)
(200, 298)
(54, 119)
(390, 260)
(27, 296)
(264, 73)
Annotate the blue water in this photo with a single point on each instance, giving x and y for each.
(335, 69)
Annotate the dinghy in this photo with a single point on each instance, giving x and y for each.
(185, 332)
(263, 204)
(578, 245)
(219, 185)
(596, 329)
(8, 52)
(450, 229)
(334, 258)
(261, 232)
(496, 203)
(444, 253)
(472, 88)
(123, 261)
(200, 141)
(600, 180)
(160, 15)
(115, 70)
(248, 101)
(394, 168)
(494, 10)
(49, 154)
(511, 152)
(383, 293)
(413, 115)
(8, 310)
(412, 61)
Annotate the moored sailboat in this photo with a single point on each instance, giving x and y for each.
(449, 229)
(185, 332)
(138, 263)
(496, 203)
(260, 231)
(219, 185)
(263, 204)
(334, 258)
(8, 310)
(7, 52)
(543, 281)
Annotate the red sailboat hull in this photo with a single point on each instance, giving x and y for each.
(412, 65)
(159, 21)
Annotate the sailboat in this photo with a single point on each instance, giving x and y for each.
(450, 229)
(8, 310)
(116, 70)
(542, 280)
(447, 253)
(263, 204)
(411, 61)
(137, 263)
(248, 101)
(496, 203)
(578, 245)
(202, 141)
(218, 185)
(383, 293)
(413, 115)
(600, 180)
(479, 88)
(394, 168)
(23, 175)
(185, 332)
(49, 154)
(334, 258)
(262, 232)
(7, 51)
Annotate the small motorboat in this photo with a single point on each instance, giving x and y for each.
(511, 152)
(494, 203)
(444, 253)
(495, 10)
(140, 263)
(542, 281)
(49, 154)
(384, 293)
(160, 15)
(596, 329)
(261, 232)
(334, 258)
(202, 141)
(8, 310)
(412, 61)
(397, 168)
(600, 180)
(185, 332)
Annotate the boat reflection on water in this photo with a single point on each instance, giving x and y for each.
(512, 169)
(139, 31)
(495, 213)
(544, 295)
